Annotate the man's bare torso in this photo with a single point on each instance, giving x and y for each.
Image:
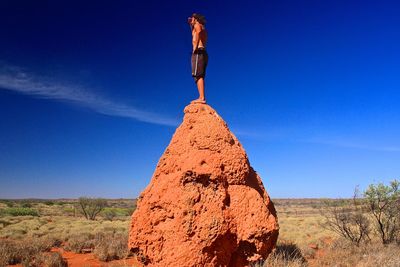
(202, 36)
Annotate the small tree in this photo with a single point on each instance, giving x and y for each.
(347, 219)
(91, 207)
(109, 213)
(384, 205)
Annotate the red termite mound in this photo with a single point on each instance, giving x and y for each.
(205, 205)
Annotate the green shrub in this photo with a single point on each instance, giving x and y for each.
(384, 205)
(19, 212)
(109, 213)
(26, 205)
(49, 203)
(69, 211)
(130, 210)
(8, 203)
(91, 207)
(62, 203)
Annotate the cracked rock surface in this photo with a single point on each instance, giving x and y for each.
(205, 205)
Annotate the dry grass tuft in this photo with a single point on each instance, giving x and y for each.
(286, 254)
(111, 247)
(26, 252)
(344, 254)
(81, 243)
(8, 253)
(53, 259)
(105, 246)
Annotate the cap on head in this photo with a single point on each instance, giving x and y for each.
(200, 18)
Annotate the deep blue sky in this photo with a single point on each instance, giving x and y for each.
(92, 91)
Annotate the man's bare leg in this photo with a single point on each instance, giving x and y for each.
(200, 88)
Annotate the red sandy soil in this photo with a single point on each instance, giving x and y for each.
(319, 252)
(88, 260)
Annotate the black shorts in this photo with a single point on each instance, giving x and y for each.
(199, 63)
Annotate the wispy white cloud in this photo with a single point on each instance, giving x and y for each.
(16, 79)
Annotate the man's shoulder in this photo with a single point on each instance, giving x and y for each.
(198, 27)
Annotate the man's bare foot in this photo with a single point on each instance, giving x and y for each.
(199, 101)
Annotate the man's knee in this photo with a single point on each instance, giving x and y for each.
(197, 78)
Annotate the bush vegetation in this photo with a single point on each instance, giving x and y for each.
(378, 209)
(111, 247)
(91, 207)
(349, 219)
(26, 252)
(343, 253)
(7, 202)
(286, 254)
(80, 243)
(26, 240)
(111, 213)
(383, 204)
(35, 251)
(19, 211)
(53, 259)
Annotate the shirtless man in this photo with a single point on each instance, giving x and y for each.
(199, 53)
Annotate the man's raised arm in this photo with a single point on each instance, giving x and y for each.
(196, 36)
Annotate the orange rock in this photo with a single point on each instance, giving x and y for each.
(205, 205)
